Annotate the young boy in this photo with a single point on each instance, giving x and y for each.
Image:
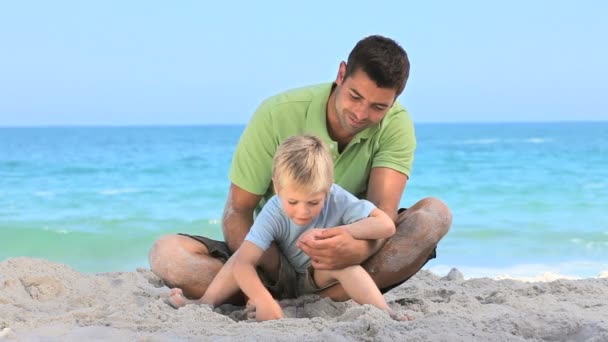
(306, 200)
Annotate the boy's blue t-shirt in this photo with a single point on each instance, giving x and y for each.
(272, 224)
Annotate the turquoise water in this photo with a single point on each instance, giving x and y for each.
(527, 198)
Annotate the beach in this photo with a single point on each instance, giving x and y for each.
(80, 208)
(43, 300)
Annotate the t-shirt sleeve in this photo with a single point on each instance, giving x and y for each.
(397, 143)
(354, 209)
(268, 226)
(251, 167)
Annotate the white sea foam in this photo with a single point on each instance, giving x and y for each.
(538, 140)
(480, 141)
(531, 272)
(44, 194)
(489, 141)
(541, 277)
(591, 245)
(118, 191)
(595, 185)
(60, 231)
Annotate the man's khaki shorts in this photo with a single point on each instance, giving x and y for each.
(289, 284)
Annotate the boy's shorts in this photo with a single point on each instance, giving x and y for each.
(307, 285)
(288, 283)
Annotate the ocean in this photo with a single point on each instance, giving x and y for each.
(527, 198)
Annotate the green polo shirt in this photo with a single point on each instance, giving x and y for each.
(390, 144)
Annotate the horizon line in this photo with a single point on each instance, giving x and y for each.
(160, 125)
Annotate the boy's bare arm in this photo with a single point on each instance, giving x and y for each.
(323, 244)
(378, 225)
(249, 282)
(336, 248)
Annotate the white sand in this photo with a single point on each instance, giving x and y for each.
(41, 300)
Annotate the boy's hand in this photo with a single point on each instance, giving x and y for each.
(264, 310)
(311, 234)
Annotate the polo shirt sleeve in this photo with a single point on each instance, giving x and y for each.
(251, 167)
(269, 226)
(397, 144)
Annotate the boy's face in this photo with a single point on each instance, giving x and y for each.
(301, 207)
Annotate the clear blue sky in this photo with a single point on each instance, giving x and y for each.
(195, 62)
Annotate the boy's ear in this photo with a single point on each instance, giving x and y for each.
(274, 186)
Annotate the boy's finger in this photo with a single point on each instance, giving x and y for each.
(250, 309)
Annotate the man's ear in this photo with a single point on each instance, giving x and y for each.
(341, 73)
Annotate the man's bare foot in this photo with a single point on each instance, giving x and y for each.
(177, 299)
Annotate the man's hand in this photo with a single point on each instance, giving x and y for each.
(310, 235)
(333, 248)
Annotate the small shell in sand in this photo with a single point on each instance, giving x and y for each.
(6, 333)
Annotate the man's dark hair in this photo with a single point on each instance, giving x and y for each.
(382, 59)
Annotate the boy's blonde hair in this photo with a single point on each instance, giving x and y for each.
(303, 162)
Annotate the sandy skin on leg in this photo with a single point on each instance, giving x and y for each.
(419, 229)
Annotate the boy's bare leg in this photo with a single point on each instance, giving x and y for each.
(358, 285)
(356, 282)
(419, 229)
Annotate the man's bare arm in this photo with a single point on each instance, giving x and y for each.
(335, 248)
(238, 215)
(385, 188)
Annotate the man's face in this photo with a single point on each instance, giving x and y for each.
(359, 102)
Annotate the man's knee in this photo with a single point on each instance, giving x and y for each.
(169, 256)
(161, 252)
(439, 212)
(429, 213)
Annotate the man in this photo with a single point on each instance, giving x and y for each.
(372, 141)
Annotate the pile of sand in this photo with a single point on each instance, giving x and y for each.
(44, 300)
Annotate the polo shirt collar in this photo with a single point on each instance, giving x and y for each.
(316, 116)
